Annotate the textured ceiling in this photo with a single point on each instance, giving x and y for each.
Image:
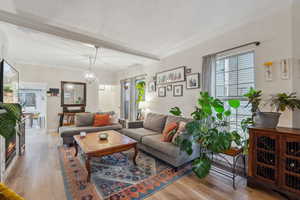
(159, 27)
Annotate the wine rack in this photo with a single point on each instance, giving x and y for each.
(291, 166)
(274, 160)
(266, 158)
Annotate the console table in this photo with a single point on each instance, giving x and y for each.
(274, 160)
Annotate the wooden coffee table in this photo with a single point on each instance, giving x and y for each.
(92, 146)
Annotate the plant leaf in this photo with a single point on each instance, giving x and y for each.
(234, 103)
(175, 111)
(201, 166)
(227, 113)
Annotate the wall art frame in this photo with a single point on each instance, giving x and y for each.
(177, 90)
(171, 76)
(193, 81)
(152, 86)
(161, 91)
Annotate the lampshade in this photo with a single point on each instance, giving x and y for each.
(89, 76)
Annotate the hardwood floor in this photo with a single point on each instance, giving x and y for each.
(38, 177)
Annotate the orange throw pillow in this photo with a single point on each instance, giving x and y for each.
(101, 120)
(169, 131)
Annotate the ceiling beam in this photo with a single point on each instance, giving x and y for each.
(70, 35)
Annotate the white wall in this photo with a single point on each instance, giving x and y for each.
(274, 33)
(109, 99)
(53, 77)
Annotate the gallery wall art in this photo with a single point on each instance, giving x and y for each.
(171, 76)
(152, 86)
(193, 81)
(178, 90)
(161, 91)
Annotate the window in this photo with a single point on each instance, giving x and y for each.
(234, 75)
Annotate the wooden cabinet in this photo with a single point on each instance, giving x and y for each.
(274, 160)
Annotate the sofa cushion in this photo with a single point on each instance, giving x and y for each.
(169, 131)
(155, 122)
(101, 120)
(113, 116)
(69, 131)
(84, 119)
(154, 141)
(181, 129)
(138, 133)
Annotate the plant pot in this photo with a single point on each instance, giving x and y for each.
(266, 119)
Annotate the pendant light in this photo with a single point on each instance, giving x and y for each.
(89, 75)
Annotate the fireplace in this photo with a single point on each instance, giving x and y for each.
(10, 149)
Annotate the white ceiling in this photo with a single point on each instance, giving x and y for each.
(158, 27)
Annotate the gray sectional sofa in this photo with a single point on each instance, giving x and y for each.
(84, 122)
(149, 138)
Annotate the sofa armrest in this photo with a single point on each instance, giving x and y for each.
(135, 124)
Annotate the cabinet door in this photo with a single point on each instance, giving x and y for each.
(290, 164)
(266, 157)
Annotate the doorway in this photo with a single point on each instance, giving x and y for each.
(34, 104)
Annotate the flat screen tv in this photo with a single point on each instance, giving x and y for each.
(9, 83)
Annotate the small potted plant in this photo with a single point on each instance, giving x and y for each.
(283, 101)
(8, 91)
(260, 119)
(280, 102)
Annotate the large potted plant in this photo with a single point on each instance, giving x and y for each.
(210, 128)
(9, 116)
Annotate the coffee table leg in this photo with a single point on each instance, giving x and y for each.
(88, 168)
(76, 148)
(135, 154)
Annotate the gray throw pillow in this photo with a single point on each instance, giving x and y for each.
(84, 119)
(155, 122)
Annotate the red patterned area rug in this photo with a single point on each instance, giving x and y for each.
(115, 177)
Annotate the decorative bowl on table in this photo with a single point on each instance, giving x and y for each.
(103, 136)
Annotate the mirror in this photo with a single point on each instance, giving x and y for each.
(73, 94)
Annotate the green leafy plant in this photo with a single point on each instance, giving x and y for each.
(7, 89)
(283, 101)
(9, 119)
(176, 111)
(209, 128)
(140, 87)
(254, 99)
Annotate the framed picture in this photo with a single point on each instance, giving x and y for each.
(193, 81)
(152, 86)
(171, 76)
(169, 88)
(161, 91)
(178, 90)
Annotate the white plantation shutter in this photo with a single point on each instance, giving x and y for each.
(234, 75)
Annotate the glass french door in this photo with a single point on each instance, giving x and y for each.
(130, 97)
